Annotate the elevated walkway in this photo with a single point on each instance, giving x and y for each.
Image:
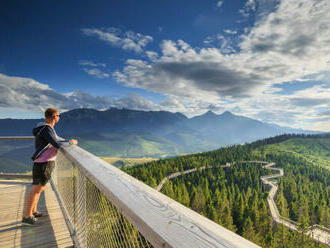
(52, 231)
(99, 205)
(316, 232)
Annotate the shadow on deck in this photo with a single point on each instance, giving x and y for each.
(52, 230)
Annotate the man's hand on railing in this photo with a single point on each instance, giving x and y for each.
(74, 141)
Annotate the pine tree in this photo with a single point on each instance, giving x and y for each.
(249, 232)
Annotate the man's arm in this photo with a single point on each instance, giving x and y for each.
(50, 135)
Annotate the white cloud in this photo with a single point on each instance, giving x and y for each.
(96, 73)
(152, 55)
(173, 104)
(289, 44)
(21, 93)
(316, 96)
(91, 63)
(258, 9)
(209, 40)
(250, 6)
(126, 40)
(320, 125)
(136, 102)
(185, 72)
(325, 114)
(223, 43)
(27, 93)
(219, 4)
(299, 110)
(290, 110)
(228, 31)
(94, 69)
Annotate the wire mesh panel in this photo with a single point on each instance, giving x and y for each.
(96, 221)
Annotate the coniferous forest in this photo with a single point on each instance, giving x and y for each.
(235, 198)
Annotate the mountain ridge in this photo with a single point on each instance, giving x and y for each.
(136, 133)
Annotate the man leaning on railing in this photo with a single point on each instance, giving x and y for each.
(46, 144)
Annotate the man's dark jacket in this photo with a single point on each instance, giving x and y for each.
(45, 136)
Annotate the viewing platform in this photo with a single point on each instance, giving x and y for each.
(52, 230)
(90, 203)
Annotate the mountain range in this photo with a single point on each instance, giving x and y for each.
(133, 133)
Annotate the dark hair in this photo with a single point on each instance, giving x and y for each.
(50, 112)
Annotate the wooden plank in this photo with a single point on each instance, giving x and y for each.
(52, 230)
(56, 217)
(163, 221)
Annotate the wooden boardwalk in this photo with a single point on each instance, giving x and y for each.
(316, 232)
(50, 232)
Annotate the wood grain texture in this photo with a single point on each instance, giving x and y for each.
(51, 232)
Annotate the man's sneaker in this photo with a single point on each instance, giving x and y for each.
(37, 214)
(29, 221)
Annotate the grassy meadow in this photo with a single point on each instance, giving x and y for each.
(127, 162)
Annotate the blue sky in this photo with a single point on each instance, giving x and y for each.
(265, 59)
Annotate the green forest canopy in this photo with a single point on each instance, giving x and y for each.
(234, 198)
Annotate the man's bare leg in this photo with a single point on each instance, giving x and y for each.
(32, 199)
(34, 209)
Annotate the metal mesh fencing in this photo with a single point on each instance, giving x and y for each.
(95, 221)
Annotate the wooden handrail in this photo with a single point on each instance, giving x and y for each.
(160, 219)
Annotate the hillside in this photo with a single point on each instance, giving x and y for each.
(128, 145)
(233, 196)
(315, 150)
(15, 156)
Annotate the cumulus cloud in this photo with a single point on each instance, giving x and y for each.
(291, 43)
(288, 110)
(28, 94)
(185, 72)
(152, 55)
(136, 102)
(174, 104)
(129, 40)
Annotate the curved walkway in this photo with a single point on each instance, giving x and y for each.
(316, 232)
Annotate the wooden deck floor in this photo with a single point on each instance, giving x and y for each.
(52, 230)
